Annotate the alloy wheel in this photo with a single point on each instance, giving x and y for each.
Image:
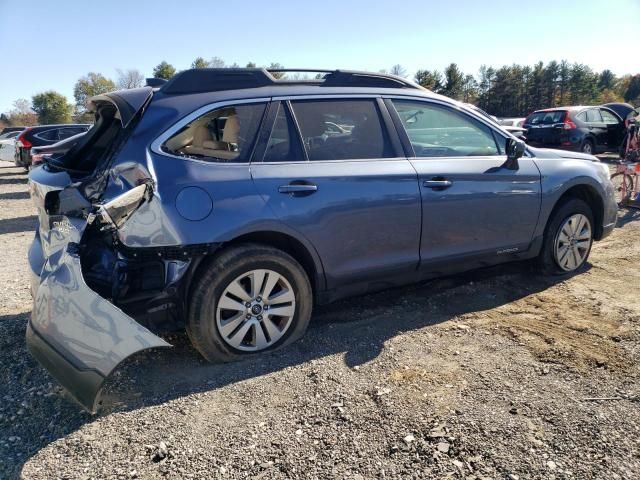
(255, 310)
(573, 242)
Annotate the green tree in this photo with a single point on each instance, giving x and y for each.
(164, 70)
(606, 79)
(199, 63)
(52, 107)
(453, 82)
(251, 65)
(429, 79)
(90, 85)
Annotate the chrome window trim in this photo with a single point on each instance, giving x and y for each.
(172, 130)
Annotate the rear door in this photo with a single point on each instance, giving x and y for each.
(471, 205)
(342, 181)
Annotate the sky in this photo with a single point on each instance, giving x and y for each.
(49, 44)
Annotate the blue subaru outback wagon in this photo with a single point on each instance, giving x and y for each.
(229, 202)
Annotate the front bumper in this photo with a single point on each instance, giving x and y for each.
(77, 335)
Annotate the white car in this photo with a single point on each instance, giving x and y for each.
(8, 145)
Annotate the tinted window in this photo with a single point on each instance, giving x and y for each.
(546, 118)
(342, 129)
(609, 118)
(436, 131)
(225, 134)
(48, 135)
(69, 132)
(283, 145)
(593, 116)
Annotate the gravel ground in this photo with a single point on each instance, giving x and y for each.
(494, 374)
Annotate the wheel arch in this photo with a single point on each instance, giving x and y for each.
(298, 249)
(590, 195)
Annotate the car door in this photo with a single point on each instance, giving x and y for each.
(615, 129)
(349, 190)
(472, 206)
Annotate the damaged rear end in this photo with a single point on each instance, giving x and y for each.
(78, 330)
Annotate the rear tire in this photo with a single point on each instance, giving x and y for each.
(568, 238)
(234, 295)
(587, 147)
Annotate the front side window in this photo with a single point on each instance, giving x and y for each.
(609, 118)
(342, 129)
(436, 131)
(226, 134)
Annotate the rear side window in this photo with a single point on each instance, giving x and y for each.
(342, 129)
(546, 118)
(48, 135)
(226, 134)
(436, 131)
(593, 116)
(69, 132)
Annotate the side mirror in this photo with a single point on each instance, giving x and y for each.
(515, 150)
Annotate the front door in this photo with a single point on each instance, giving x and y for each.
(471, 205)
(332, 172)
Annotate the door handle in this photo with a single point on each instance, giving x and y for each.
(439, 184)
(300, 189)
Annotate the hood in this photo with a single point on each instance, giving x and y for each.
(551, 153)
(127, 102)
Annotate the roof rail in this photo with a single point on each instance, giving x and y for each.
(217, 79)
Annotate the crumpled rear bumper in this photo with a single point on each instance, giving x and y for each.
(77, 335)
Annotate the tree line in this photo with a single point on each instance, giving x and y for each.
(511, 90)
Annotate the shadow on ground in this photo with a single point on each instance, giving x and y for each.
(627, 215)
(356, 328)
(18, 224)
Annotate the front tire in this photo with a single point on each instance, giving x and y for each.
(622, 187)
(568, 238)
(247, 300)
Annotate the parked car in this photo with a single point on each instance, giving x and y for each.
(584, 129)
(512, 122)
(11, 129)
(7, 145)
(220, 203)
(43, 135)
(516, 131)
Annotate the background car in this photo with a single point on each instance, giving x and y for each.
(11, 129)
(514, 130)
(512, 122)
(584, 129)
(43, 135)
(8, 145)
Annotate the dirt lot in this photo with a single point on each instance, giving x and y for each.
(495, 374)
